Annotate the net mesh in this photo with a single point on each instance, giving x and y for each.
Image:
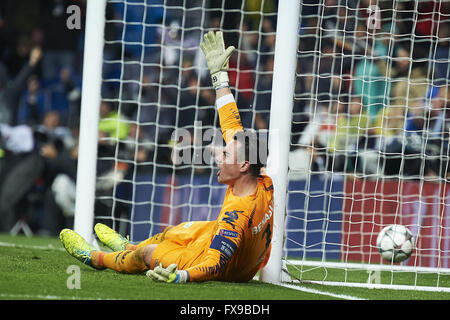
(369, 143)
(155, 86)
(370, 132)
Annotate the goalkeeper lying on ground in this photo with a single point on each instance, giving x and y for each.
(233, 247)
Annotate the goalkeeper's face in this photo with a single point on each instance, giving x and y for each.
(230, 162)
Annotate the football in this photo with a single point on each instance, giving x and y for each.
(395, 243)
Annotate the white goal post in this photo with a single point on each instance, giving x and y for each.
(354, 96)
(280, 127)
(90, 106)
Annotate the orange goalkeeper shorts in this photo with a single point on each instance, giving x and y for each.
(184, 244)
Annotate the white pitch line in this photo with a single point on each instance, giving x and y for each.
(48, 247)
(314, 291)
(38, 296)
(46, 297)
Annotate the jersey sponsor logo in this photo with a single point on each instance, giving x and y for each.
(223, 245)
(258, 228)
(231, 217)
(187, 225)
(228, 233)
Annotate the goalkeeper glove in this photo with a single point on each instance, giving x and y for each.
(169, 274)
(217, 57)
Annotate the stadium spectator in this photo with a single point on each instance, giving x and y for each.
(29, 172)
(141, 145)
(416, 140)
(350, 139)
(32, 105)
(318, 134)
(408, 80)
(369, 79)
(11, 92)
(59, 149)
(17, 144)
(442, 57)
(112, 125)
(16, 59)
(428, 130)
(21, 166)
(389, 130)
(408, 87)
(65, 96)
(52, 129)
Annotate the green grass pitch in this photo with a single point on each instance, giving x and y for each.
(38, 268)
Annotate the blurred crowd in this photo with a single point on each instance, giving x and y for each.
(367, 102)
(145, 96)
(374, 90)
(40, 94)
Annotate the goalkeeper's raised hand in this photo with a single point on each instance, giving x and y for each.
(169, 274)
(217, 57)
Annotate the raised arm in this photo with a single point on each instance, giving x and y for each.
(217, 57)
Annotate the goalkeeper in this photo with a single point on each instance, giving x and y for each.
(233, 247)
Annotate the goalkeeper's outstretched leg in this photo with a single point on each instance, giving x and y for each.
(125, 261)
(78, 248)
(136, 260)
(110, 237)
(116, 242)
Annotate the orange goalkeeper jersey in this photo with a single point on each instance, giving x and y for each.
(236, 245)
(231, 248)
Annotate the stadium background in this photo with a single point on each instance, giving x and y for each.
(48, 100)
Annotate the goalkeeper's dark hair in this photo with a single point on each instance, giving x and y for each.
(255, 150)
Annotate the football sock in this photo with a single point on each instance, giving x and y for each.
(126, 261)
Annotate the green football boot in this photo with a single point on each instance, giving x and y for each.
(77, 247)
(110, 238)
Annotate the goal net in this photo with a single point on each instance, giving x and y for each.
(369, 135)
(158, 115)
(369, 142)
